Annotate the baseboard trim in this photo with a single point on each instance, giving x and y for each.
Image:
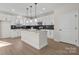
(67, 43)
(10, 37)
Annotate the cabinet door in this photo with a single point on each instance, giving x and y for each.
(13, 33)
(5, 29)
(67, 27)
(50, 34)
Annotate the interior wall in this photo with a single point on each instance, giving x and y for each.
(62, 11)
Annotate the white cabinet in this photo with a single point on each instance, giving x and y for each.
(15, 33)
(50, 34)
(67, 27)
(4, 29)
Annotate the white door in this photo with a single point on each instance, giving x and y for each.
(67, 27)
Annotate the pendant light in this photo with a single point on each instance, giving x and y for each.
(30, 13)
(27, 16)
(35, 12)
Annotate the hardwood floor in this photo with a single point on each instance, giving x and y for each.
(17, 47)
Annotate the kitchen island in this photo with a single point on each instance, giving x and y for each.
(35, 38)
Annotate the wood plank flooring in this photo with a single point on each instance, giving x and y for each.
(18, 47)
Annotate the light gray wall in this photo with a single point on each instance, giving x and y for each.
(60, 12)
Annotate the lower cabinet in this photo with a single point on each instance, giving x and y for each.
(50, 34)
(15, 33)
(4, 29)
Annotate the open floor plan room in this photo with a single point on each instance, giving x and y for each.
(39, 29)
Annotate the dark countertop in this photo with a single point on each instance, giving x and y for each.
(51, 27)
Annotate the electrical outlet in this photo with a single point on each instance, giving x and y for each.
(75, 28)
(75, 40)
(60, 29)
(75, 15)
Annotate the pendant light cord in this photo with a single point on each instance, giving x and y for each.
(27, 13)
(31, 11)
(35, 10)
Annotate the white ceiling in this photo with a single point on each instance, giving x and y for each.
(20, 8)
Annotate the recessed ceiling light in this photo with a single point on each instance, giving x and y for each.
(19, 16)
(40, 12)
(12, 9)
(44, 8)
